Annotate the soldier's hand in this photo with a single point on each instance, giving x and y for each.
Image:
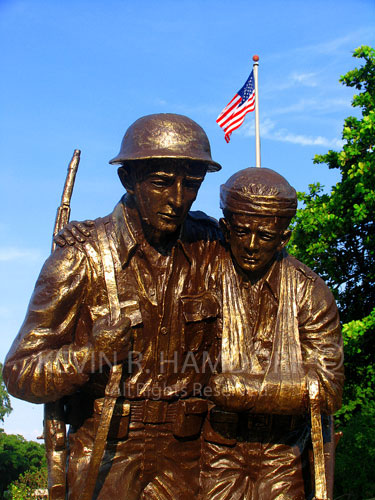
(74, 232)
(235, 391)
(112, 342)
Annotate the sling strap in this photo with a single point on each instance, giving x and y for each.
(113, 385)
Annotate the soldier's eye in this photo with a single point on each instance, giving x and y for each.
(239, 232)
(160, 182)
(267, 236)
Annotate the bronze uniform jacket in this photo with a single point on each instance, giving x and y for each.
(175, 315)
(291, 330)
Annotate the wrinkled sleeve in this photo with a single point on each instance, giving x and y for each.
(45, 362)
(321, 342)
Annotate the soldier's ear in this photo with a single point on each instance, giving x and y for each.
(126, 179)
(285, 238)
(224, 226)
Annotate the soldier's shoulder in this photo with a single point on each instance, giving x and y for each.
(320, 293)
(300, 267)
(199, 225)
(86, 243)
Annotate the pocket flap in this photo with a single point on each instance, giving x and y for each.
(195, 406)
(199, 307)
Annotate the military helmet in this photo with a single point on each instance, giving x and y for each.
(165, 135)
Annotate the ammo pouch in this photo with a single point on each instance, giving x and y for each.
(189, 417)
(221, 427)
(184, 417)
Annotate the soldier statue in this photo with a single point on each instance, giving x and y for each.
(154, 262)
(281, 332)
(162, 292)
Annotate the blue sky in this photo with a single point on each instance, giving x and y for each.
(76, 74)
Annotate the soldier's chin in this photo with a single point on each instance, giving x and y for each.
(167, 225)
(250, 266)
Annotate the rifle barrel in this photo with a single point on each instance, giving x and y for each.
(63, 211)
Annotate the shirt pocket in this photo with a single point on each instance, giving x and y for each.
(129, 308)
(200, 312)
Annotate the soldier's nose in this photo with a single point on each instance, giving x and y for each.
(252, 244)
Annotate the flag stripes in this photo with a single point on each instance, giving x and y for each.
(233, 115)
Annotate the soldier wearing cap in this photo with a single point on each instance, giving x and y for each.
(157, 260)
(281, 329)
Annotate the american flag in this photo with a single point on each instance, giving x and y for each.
(234, 113)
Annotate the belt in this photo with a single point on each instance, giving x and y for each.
(258, 422)
(146, 411)
(268, 422)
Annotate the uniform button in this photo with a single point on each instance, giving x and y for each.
(164, 330)
(160, 376)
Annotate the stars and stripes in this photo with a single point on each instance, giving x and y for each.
(234, 113)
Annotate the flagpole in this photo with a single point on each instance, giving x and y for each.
(257, 135)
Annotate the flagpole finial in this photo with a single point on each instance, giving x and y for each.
(255, 58)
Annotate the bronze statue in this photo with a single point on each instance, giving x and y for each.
(132, 303)
(127, 320)
(281, 332)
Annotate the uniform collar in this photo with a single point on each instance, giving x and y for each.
(129, 231)
(272, 277)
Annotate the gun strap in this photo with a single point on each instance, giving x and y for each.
(108, 271)
(113, 385)
(317, 440)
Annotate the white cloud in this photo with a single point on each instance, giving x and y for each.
(284, 135)
(294, 79)
(306, 79)
(160, 102)
(304, 105)
(329, 47)
(13, 253)
(28, 434)
(269, 131)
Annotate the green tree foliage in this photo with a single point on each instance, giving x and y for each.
(334, 233)
(17, 456)
(5, 406)
(24, 487)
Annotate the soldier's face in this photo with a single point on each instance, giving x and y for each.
(255, 241)
(165, 193)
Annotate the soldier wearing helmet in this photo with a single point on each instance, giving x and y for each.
(154, 261)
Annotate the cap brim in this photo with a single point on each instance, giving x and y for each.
(213, 166)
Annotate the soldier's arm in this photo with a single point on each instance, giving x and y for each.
(286, 392)
(46, 361)
(321, 343)
(322, 356)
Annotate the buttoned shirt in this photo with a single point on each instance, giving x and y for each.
(279, 330)
(170, 299)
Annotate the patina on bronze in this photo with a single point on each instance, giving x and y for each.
(281, 341)
(156, 263)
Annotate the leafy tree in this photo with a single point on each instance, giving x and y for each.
(17, 456)
(24, 487)
(5, 406)
(334, 233)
